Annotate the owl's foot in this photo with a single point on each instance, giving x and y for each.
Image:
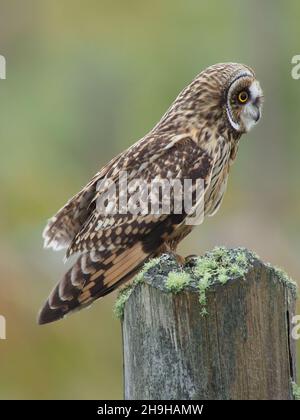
(191, 257)
(179, 258)
(167, 249)
(190, 260)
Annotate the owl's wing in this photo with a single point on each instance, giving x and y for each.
(185, 160)
(63, 227)
(114, 252)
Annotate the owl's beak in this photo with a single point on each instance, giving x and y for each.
(257, 116)
(250, 115)
(257, 106)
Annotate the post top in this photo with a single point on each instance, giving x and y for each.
(213, 269)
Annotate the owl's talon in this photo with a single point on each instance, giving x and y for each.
(180, 260)
(190, 259)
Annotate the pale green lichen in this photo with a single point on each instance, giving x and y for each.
(296, 391)
(205, 265)
(283, 276)
(237, 270)
(125, 293)
(219, 265)
(203, 284)
(241, 258)
(177, 281)
(122, 298)
(146, 267)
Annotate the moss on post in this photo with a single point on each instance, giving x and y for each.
(296, 391)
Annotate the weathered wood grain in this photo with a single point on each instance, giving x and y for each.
(240, 350)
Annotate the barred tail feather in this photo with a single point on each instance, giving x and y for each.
(93, 275)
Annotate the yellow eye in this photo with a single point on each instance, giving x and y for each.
(243, 97)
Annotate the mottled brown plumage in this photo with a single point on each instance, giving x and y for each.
(197, 138)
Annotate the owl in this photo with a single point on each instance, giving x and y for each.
(197, 138)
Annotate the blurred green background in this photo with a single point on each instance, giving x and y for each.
(84, 81)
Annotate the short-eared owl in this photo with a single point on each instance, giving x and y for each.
(197, 138)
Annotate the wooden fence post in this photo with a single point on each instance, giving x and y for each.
(217, 329)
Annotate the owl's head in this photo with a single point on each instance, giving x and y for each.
(223, 96)
(242, 100)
